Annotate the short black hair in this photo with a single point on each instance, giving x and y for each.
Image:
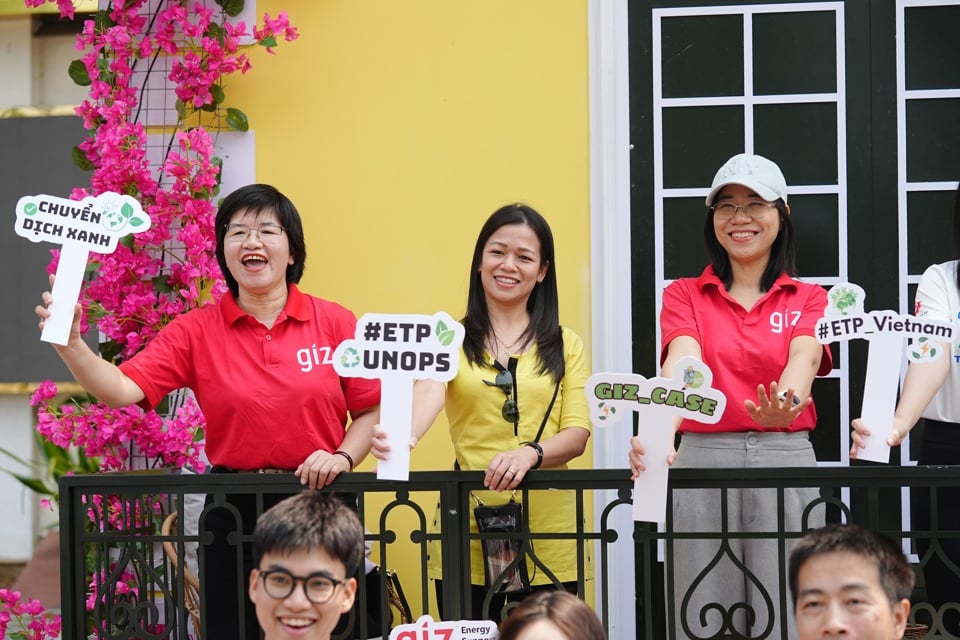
(311, 520)
(256, 199)
(896, 576)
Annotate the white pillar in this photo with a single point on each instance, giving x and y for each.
(612, 337)
(17, 503)
(16, 63)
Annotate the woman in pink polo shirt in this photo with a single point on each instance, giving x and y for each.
(751, 322)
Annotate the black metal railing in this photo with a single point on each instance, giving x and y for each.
(113, 523)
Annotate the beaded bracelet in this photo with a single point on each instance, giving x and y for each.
(340, 452)
(536, 447)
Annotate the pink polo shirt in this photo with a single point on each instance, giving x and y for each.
(270, 396)
(742, 348)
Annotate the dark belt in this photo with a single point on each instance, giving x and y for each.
(218, 469)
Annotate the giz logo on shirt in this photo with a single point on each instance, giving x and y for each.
(315, 355)
(780, 320)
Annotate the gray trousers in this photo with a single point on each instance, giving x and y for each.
(729, 585)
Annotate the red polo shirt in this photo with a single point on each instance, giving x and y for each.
(743, 348)
(271, 397)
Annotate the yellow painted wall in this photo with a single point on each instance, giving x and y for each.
(397, 127)
(18, 8)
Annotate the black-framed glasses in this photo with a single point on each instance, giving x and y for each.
(726, 210)
(318, 587)
(510, 410)
(268, 233)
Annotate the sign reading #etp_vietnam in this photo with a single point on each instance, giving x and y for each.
(400, 349)
(94, 224)
(845, 319)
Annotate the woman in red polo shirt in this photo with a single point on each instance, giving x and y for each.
(243, 359)
(752, 323)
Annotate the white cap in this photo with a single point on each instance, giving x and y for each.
(752, 171)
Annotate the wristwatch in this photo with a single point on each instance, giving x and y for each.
(782, 397)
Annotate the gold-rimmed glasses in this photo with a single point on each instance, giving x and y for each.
(268, 233)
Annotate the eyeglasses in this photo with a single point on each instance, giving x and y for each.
(504, 381)
(268, 233)
(318, 587)
(753, 210)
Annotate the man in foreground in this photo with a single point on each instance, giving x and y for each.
(307, 550)
(849, 582)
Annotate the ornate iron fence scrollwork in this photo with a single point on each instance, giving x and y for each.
(114, 522)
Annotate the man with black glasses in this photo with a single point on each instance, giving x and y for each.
(307, 550)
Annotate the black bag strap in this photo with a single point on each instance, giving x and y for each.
(546, 416)
(512, 368)
(543, 423)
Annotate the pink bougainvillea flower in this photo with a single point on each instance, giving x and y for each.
(188, 50)
(45, 391)
(170, 269)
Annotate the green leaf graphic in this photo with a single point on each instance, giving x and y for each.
(127, 210)
(843, 299)
(136, 222)
(446, 337)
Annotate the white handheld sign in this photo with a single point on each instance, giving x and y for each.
(425, 628)
(845, 319)
(399, 349)
(658, 401)
(80, 227)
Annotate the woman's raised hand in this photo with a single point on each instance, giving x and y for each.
(772, 410)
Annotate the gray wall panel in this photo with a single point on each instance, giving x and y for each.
(35, 158)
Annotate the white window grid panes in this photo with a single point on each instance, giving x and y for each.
(748, 100)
